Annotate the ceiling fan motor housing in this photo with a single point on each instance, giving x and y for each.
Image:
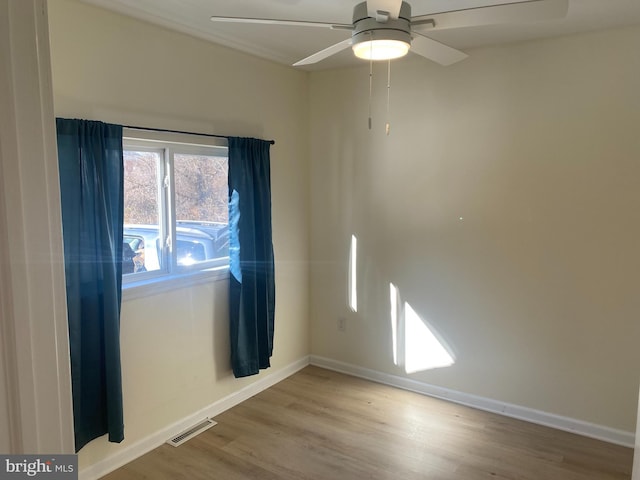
(367, 28)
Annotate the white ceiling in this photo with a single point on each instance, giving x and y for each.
(287, 44)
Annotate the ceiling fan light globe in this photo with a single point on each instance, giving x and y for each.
(382, 49)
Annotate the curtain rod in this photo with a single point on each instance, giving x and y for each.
(272, 142)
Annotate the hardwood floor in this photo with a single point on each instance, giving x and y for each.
(319, 424)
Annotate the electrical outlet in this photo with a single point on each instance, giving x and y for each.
(342, 324)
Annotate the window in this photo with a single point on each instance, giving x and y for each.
(175, 207)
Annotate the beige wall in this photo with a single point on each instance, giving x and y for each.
(108, 67)
(534, 145)
(504, 205)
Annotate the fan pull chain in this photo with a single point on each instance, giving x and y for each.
(388, 126)
(370, 82)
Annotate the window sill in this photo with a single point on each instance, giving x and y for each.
(155, 286)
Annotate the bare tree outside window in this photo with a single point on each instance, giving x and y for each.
(201, 188)
(141, 187)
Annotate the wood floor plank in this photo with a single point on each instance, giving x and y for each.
(319, 424)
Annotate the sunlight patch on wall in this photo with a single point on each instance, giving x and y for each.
(415, 345)
(353, 275)
(393, 300)
(423, 350)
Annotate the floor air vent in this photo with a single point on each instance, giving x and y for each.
(191, 432)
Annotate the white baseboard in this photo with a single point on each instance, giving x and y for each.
(156, 439)
(600, 432)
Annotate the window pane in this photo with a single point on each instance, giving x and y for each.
(201, 205)
(142, 245)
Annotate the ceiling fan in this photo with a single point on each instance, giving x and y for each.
(385, 29)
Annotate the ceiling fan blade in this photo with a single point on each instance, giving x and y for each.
(436, 51)
(322, 54)
(515, 12)
(391, 6)
(273, 21)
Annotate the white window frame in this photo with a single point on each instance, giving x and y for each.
(172, 275)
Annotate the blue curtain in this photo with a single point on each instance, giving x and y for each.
(91, 186)
(252, 284)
